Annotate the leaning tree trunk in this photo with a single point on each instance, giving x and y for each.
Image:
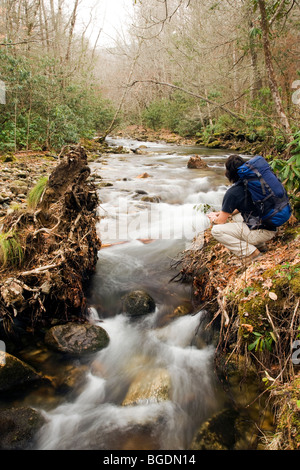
(60, 245)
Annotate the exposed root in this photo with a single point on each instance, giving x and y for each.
(60, 248)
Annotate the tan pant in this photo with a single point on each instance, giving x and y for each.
(239, 239)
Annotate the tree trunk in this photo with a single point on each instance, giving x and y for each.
(270, 70)
(71, 31)
(257, 79)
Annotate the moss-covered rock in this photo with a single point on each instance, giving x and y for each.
(215, 144)
(138, 303)
(218, 433)
(15, 374)
(228, 429)
(77, 339)
(18, 427)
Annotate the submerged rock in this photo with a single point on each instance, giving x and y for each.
(149, 386)
(155, 199)
(226, 430)
(15, 373)
(218, 433)
(138, 303)
(77, 339)
(18, 427)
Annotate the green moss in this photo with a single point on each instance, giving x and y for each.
(285, 278)
(291, 233)
(8, 159)
(295, 284)
(287, 435)
(214, 144)
(252, 311)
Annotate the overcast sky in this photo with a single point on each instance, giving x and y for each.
(111, 15)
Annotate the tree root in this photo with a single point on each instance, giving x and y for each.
(60, 248)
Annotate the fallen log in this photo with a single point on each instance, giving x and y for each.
(60, 248)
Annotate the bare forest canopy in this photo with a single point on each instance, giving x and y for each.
(193, 67)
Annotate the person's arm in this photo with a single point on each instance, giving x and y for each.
(218, 217)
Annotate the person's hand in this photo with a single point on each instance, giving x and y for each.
(213, 215)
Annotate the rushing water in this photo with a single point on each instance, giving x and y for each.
(154, 234)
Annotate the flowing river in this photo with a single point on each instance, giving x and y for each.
(151, 209)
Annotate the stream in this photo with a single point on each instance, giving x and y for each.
(146, 222)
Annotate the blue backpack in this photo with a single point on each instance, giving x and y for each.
(263, 185)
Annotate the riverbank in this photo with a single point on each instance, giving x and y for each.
(255, 309)
(21, 171)
(229, 139)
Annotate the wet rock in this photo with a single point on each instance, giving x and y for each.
(77, 339)
(196, 162)
(144, 175)
(215, 144)
(226, 430)
(149, 386)
(155, 199)
(181, 310)
(18, 427)
(218, 433)
(141, 150)
(15, 373)
(104, 184)
(138, 303)
(141, 191)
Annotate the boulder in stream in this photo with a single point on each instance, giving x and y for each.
(149, 386)
(15, 373)
(138, 303)
(18, 427)
(196, 162)
(228, 429)
(77, 339)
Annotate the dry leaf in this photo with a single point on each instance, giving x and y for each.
(247, 327)
(268, 283)
(272, 295)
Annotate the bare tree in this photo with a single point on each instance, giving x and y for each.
(265, 26)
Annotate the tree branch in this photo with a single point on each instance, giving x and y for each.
(277, 13)
(17, 43)
(196, 95)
